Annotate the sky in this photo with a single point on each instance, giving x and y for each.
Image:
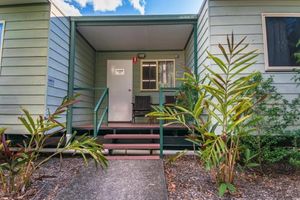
(128, 7)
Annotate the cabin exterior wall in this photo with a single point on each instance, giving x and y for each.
(23, 68)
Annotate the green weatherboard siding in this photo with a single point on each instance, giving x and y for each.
(244, 18)
(84, 78)
(23, 67)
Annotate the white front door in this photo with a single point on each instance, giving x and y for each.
(119, 82)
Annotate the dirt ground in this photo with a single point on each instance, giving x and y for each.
(51, 178)
(187, 179)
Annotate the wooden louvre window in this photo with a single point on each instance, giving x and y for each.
(157, 73)
(149, 75)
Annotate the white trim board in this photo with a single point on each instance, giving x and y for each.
(1, 42)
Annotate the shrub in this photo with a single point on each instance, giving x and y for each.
(18, 164)
(275, 141)
(187, 94)
(227, 99)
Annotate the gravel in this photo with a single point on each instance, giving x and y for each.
(54, 176)
(187, 179)
(122, 180)
(51, 178)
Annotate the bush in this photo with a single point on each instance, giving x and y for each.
(275, 141)
(187, 95)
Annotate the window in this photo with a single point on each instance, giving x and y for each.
(155, 73)
(149, 75)
(1, 38)
(281, 35)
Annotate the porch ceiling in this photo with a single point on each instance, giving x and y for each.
(137, 37)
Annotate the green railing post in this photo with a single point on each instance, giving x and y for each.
(71, 72)
(95, 123)
(161, 128)
(195, 34)
(107, 105)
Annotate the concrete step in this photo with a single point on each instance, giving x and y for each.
(131, 136)
(131, 146)
(132, 157)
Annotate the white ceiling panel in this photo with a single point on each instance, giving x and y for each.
(140, 37)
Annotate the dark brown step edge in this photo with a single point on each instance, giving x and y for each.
(132, 157)
(131, 146)
(131, 136)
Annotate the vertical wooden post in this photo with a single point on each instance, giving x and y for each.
(71, 76)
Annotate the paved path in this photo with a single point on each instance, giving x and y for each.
(123, 180)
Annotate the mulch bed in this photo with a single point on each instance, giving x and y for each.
(51, 178)
(187, 179)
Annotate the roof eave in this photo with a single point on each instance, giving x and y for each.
(24, 2)
(135, 19)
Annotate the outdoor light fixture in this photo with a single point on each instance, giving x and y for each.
(141, 55)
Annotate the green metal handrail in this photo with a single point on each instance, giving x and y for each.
(89, 88)
(98, 123)
(161, 123)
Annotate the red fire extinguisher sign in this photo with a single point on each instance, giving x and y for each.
(134, 60)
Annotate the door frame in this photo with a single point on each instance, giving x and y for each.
(109, 97)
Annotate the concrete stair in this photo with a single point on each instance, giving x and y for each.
(137, 142)
(148, 157)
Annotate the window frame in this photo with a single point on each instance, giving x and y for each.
(157, 78)
(2, 40)
(265, 43)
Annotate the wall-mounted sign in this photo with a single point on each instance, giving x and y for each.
(119, 72)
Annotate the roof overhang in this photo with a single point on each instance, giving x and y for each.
(136, 33)
(18, 2)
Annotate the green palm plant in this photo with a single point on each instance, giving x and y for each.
(17, 165)
(225, 96)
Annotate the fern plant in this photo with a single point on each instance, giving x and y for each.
(224, 95)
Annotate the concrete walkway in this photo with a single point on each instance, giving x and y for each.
(123, 180)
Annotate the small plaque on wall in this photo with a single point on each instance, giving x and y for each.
(120, 72)
(51, 82)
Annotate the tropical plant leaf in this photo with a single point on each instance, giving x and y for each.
(222, 189)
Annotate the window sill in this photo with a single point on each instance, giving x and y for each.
(281, 69)
(149, 91)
